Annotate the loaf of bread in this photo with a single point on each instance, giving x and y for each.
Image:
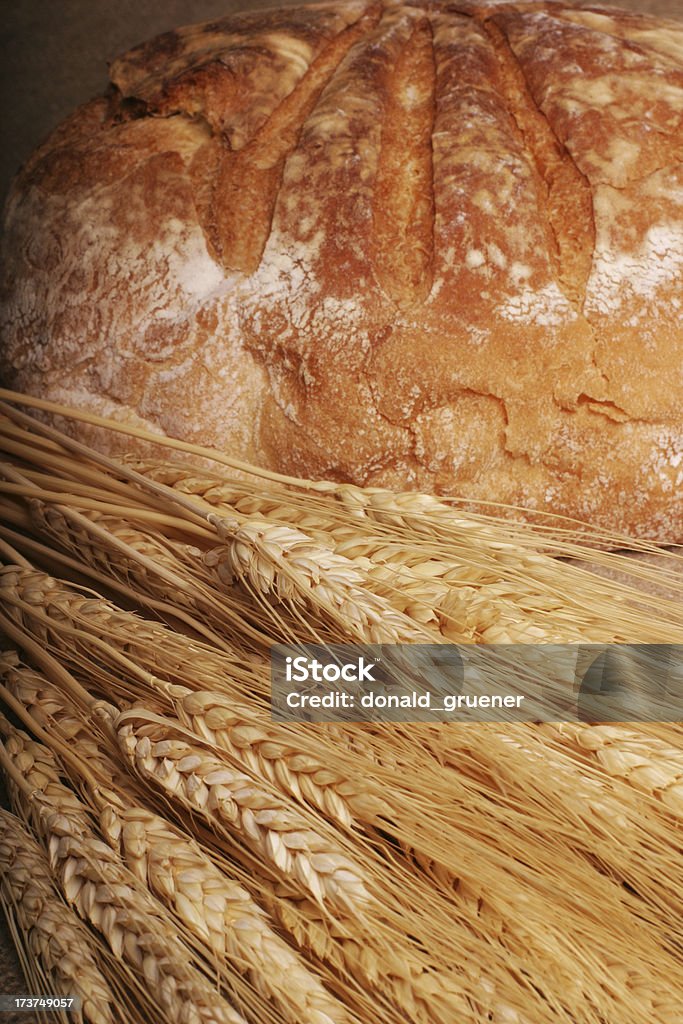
(423, 245)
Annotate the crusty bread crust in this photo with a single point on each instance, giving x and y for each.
(435, 246)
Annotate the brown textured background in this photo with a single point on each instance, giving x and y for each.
(53, 56)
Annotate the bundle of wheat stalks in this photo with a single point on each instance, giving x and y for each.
(175, 856)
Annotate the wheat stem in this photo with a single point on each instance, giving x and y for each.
(161, 752)
(50, 933)
(104, 893)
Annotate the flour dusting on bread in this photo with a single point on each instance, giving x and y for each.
(431, 245)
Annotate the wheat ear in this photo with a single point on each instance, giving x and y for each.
(202, 784)
(282, 757)
(464, 576)
(160, 752)
(232, 497)
(537, 598)
(217, 911)
(430, 994)
(596, 814)
(143, 565)
(272, 560)
(85, 631)
(94, 881)
(220, 913)
(288, 565)
(49, 930)
(649, 764)
(187, 881)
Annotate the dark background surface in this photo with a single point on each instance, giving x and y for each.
(53, 56)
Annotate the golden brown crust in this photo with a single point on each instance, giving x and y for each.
(421, 245)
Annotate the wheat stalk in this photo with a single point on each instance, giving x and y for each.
(85, 630)
(597, 815)
(497, 585)
(68, 618)
(284, 562)
(217, 911)
(201, 784)
(234, 801)
(50, 932)
(283, 757)
(221, 709)
(424, 996)
(650, 765)
(177, 870)
(547, 803)
(407, 592)
(321, 522)
(566, 822)
(271, 559)
(147, 565)
(539, 598)
(96, 537)
(220, 913)
(464, 598)
(521, 556)
(104, 893)
(206, 700)
(240, 498)
(40, 696)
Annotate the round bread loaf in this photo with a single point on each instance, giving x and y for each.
(429, 245)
